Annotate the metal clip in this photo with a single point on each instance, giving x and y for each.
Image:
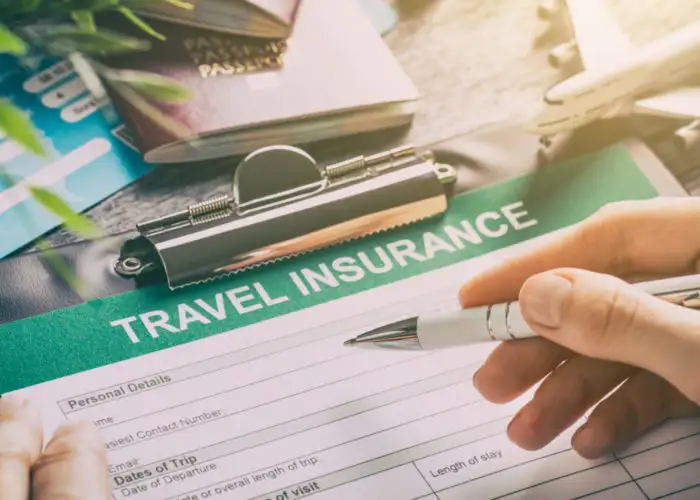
(282, 203)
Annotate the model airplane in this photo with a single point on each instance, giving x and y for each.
(618, 78)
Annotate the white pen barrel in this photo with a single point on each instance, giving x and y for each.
(453, 328)
(473, 325)
(507, 323)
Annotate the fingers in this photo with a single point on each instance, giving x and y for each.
(641, 403)
(563, 398)
(514, 367)
(621, 239)
(73, 466)
(21, 438)
(602, 317)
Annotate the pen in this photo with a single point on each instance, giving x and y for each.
(495, 322)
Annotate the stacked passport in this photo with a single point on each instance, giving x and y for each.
(257, 18)
(332, 76)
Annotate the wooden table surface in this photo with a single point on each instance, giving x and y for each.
(475, 63)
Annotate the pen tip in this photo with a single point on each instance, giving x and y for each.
(350, 342)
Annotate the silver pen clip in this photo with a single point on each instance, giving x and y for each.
(282, 203)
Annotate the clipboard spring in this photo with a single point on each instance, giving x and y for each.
(284, 204)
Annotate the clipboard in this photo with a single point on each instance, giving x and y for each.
(258, 359)
(469, 161)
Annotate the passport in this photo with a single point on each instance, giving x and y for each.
(333, 77)
(256, 18)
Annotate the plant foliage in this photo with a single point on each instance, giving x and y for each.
(67, 29)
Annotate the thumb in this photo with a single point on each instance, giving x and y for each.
(600, 316)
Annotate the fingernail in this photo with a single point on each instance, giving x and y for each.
(516, 420)
(511, 423)
(589, 443)
(542, 298)
(475, 376)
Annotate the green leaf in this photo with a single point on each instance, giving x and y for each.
(13, 7)
(161, 119)
(95, 5)
(63, 270)
(54, 258)
(88, 73)
(19, 128)
(28, 5)
(129, 14)
(140, 4)
(84, 19)
(11, 43)
(76, 38)
(150, 85)
(73, 220)
(75, 5)
(182, 5)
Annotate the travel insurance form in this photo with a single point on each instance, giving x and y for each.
(241, 388)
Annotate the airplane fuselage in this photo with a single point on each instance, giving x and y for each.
(612, 88)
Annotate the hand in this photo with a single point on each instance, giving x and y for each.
(73, 466)
(595, 330)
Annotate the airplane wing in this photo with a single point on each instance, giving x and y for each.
(680, 103)
(599, 39)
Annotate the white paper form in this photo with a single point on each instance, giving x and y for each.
(283, 410)
(279, 409)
